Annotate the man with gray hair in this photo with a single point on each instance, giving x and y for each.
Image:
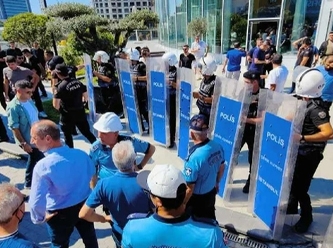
(12, 210)
(120, 193)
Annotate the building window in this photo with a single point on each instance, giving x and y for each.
(108, 16)
(119, 4)
(107, 10)
(119, 11)
(101, 5)
(144, 4)
(138, 4)
(96, 5)
(126, 4)
(102, 11)
(113, 4)
(106, 4)
(114, 16)
(126, 10)
(120, 16)
(131, 4)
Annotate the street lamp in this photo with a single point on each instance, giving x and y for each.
(43, 5)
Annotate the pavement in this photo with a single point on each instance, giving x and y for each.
(244, 230)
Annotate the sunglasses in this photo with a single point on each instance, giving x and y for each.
(25, 199)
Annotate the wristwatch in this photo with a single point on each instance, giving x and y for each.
(302, 141)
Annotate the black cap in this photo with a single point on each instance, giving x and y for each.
(199, 123)
(56, 60)
(252, 75)
(61, 69)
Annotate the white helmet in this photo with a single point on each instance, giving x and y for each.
(209, 66)
(310, 83)
(133, 54)
(103, 55)
(170, 58)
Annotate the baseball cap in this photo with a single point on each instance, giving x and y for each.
(199, 123)
(62, 69)
(162, 181)
(252, 75)
(108, 122)
(56, 60)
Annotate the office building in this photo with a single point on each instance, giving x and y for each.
(244, 20)
(113, 9)
(9, 8)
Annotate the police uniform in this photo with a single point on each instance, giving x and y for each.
(138, 70)
(110, 90)
(102, 155)
(72, 112)
(201, 168)
(172, 103)
(309, 156)
(156, 231)
(206, 90)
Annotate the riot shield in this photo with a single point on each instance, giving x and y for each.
(184, 109)
(158, 100)
(128, 96)
(328, 240)
(274, 157)
(90, 87)
(230, 103)
(298, 70)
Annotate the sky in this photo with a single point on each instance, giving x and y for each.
(35, 4)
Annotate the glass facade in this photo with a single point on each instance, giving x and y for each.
(9, 8)
(238, 20)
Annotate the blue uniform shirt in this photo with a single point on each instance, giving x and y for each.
(260, 55)
(328, 87)
(60, 180)
(181, 232)
(235, 58)
(102, 155)
(16, 240)
(202, 165)
(122, 195)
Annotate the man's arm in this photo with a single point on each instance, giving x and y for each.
(304, 60)
(189, 192)
(90, 215)
(102, 77)
(148, 155)
(6, 86)
(224, 65)
(323, 135)
(219, 177)
(35, 79)
(56, 103)
(206, 50)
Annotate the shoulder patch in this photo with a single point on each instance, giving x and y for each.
(95, 146)
(208, 221)
(123, 138)
(322, 114)
(138, 216)
(188, 171)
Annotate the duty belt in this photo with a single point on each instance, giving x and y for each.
(141, 84)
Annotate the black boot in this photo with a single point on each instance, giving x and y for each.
(246, 187)
(303, 224)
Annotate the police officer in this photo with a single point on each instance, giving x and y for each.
(203, 170)
(139, 77)
(171, 60)
(170, 226)
(315, 132)
(108, 83)
(251, 77)
(206, 90)
(108, 127)
(68, 99)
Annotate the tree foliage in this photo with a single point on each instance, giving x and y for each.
(197, 26)
(239, 26)
(26, 28)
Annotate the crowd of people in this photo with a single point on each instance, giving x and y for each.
(164, 202)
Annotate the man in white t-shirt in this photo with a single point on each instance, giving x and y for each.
(199, 49)
(277, 77)
(22, 114)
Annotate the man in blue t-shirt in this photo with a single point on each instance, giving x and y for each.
(12, 208)
(258, 58)
(203, 170)
(120, 193)
(108, 127)
(170, 226)
(327, 70)
(233, 60)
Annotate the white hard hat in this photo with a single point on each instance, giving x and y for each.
(108, 122)
(209, 66)
(170, 58)
(133, 54)
(103, 55)
(310, 83)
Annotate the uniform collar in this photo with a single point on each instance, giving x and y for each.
(8, 236)
(180, 219)
(193, 148)
(126, 174)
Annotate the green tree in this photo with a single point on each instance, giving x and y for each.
(197, 26)
(239, 25)
(26, 28)
(92, 32)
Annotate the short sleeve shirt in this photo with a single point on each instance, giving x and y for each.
(106, 70)
(16, 240)
(260, 55)
(70, 91)
(305, 53)
(186, 61)
(122, 195)
(102, 155)
(20, 73)
(202, 166)
(202, 48)
(328, 87)
(234, 57)
(277, 76)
